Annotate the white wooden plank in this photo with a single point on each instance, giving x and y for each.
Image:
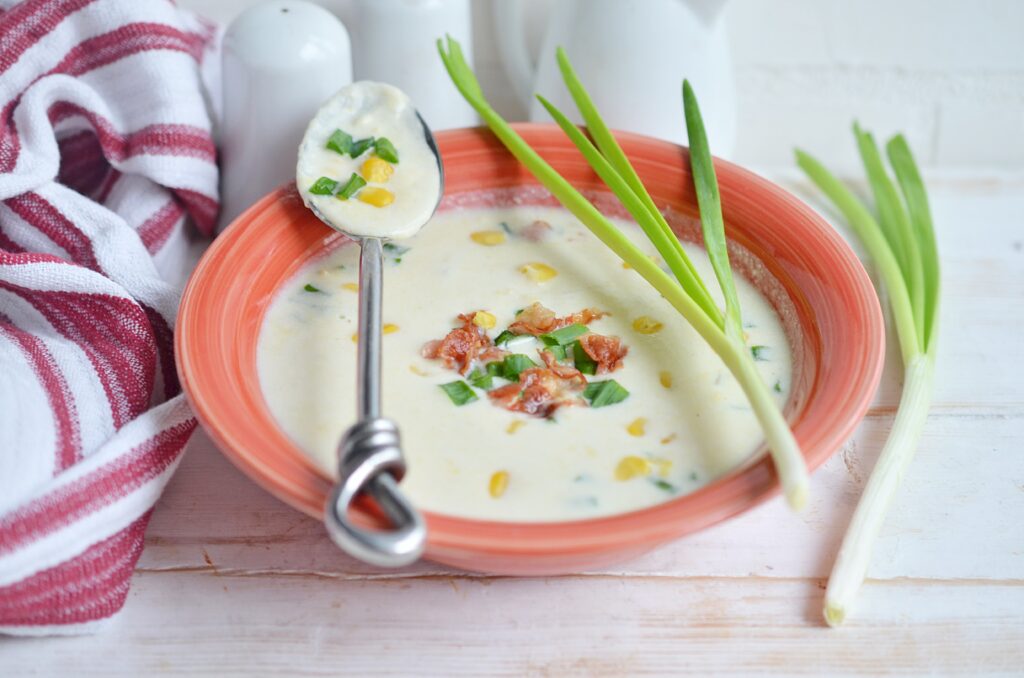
(207, 624)
(967, 474)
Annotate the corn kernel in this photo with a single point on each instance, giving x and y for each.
(637, 427)
(538, 272)
(667, 439)
(378, 197)
(647, 325)
(498, 484)
(377, 170)
(485, 320)
(487, 238)
(664, 467)
(665, 378)
(355, 337)
(515, 426)
(351, 287)
(632, 466)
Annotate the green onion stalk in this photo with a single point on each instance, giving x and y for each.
(901, 242)
(686, 291)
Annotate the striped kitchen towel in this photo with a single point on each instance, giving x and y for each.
(106, 155)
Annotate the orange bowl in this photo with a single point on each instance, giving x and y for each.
(832, 317)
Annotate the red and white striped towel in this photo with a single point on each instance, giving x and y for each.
(105, 153)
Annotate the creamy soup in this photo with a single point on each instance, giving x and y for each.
(364, 163)
(656, 415)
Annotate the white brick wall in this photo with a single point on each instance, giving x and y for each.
(947, 73)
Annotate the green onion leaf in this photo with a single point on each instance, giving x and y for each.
(565, 335)
(504, 338)
(481, 379)
(385, 150)
(311, 288)
(495, 369)
(354, 183)
(459, 392)
(706, 185)
(340, 142)
(514, 364)
(914, 193)
(584, 363)
(603, 393)
(323, 186)
(360, 147)
(677, 260)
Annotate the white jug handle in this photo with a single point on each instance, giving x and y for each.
(511, 37)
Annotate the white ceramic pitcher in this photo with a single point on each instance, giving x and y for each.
(632, 56)
(395, 41)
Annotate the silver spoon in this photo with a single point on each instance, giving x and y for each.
(370, 454)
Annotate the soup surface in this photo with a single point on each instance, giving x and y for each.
(582, 448)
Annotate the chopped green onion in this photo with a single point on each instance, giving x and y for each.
(504, 338)
(495, 369)
(354, 183)
(396, 250)
(323, 186)
(340, 142)
(663, 485)
(565, 335)
(760, 353)
(584, 363)
(385, 150)
(459, 392)
(602, 393)
(311, 288)
(359, 147)
(514, 364)
(481, 379)
(778, 386)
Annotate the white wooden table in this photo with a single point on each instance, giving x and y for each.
(233, 582)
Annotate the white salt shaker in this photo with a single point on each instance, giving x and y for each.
(396, 42)
(281, 60)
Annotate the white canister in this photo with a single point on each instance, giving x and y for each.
(395, 41)
(281, 60)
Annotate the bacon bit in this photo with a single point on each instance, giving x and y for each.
(537, 319)
(560, 370)
(536, 231)
(492, 353)
(607, 352)
(460, 347)
(539, 392)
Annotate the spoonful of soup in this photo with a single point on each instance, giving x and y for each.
(368, 167)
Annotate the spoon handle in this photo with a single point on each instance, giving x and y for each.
(370, 457)
(371, 284)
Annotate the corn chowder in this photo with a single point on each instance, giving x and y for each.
(535, 377)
